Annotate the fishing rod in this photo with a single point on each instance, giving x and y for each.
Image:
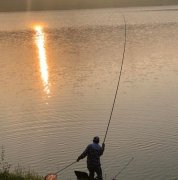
(53, 176)
(65, 167)
(120, 74)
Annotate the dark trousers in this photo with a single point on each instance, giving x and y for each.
(97, 170)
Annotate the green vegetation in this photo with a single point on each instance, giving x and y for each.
(19, 172)
(13, 176)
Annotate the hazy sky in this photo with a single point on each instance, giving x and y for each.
(21, 5)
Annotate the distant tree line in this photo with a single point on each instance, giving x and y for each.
(34, 5)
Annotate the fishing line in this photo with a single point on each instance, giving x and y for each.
(120, 74)
(123, 168)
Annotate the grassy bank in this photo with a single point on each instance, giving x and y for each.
(19, 173)
(14, 176)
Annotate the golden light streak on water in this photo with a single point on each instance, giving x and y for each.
(40, 43)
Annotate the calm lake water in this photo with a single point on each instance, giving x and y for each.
(58, 76)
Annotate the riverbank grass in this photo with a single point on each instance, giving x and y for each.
(19, 173)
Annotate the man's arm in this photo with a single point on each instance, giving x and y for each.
(83, 155)
(102, 149)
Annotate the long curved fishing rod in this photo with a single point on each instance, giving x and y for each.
(120, 74)
(123, 57)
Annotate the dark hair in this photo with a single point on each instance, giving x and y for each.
(96, 139)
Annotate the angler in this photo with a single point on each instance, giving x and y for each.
(93, 153)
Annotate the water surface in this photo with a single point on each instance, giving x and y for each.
(59, 71)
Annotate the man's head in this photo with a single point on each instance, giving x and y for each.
(96, 139)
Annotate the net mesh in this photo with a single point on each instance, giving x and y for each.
(51, 177)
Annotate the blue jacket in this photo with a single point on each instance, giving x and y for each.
(93, 153)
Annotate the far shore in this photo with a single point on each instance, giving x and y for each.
(42, 5)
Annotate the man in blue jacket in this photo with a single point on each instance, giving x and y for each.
(93, 153)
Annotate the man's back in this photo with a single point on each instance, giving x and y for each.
(94, 151)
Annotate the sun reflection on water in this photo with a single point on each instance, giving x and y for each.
(40, 43)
